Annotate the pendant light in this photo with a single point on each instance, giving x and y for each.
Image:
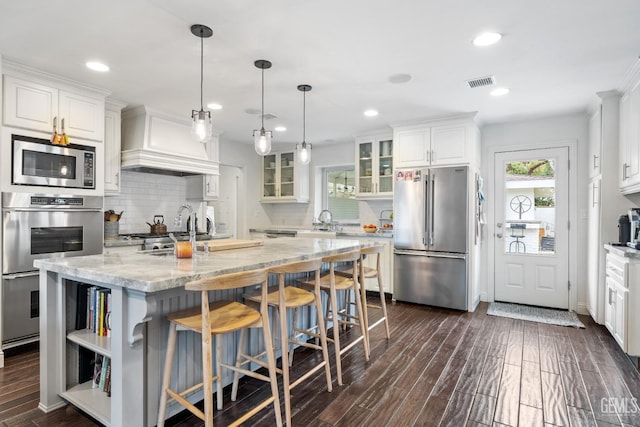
(201, 126)
(303, 149)
(262, 138)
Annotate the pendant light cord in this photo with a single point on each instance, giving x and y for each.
(304, 116)
(201, 67)
(262, 111)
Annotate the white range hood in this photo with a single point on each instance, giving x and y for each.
(153, 141)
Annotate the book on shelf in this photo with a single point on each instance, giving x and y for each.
(103, 372)
(97, 371)
(86, 360)
(81, 307)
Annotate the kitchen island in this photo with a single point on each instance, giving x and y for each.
(143, 288)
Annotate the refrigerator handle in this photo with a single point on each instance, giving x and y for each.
(432, 208)
(425, 232)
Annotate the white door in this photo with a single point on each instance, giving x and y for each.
(532, 231)
(227, 206)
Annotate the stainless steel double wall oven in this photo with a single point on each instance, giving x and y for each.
(40, 226)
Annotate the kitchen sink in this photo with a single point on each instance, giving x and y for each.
(317, 234)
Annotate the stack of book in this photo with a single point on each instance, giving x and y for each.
(94, 309)
(102, 374)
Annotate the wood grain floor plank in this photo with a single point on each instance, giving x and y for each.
(432, 412)
(483, 409)
(470, 376)
(513, 355)
(624, 403)
(574, 391)
(457, 411)
(581, 351)
(530, 347)
(581, 417)
(553, 403)
(508, 401)
(491, 374)
(597, 391)
(548, 357)
(530, 417)
(564, 350)
(531, 385)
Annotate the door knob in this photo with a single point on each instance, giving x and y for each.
(499, 225)
(499, 235)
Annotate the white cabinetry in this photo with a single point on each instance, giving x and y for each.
(437, 142)
(206, 187)
(386, 263)
(605, 201)
(284, 179)
(374, 168)
(112, 138)
(630, 140)
(37, 106)
(622, 303)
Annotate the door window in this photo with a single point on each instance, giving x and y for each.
(529, 208)
(340, 193)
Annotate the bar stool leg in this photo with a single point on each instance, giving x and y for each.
(236, 374)
(322, 331)
(285, 359)
(383, 304)
(333, 300)
(361, 316)
(207, 386)
(218, 342)
(166, 377)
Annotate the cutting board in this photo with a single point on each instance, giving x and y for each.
(227, 244)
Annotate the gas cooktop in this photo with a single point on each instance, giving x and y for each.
(163, 235)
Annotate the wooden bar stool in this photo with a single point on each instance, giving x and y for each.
(291, 297)
(370, 273)
(216, 318)
(331, 284)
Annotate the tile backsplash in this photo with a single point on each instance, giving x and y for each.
(144, 195)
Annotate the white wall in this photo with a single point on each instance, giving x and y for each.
(552, 131)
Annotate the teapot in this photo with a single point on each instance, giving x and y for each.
(158, 226)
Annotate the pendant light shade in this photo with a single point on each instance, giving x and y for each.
(201, 125)
(261, 137)
(303, 149)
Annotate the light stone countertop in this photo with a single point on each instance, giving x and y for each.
(344, 233)
(149, 273)
(623, 251)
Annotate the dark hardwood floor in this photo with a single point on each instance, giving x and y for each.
(439, 368)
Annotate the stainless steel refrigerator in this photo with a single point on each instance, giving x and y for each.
(431, 236)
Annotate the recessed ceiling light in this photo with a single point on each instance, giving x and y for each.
(280, 128)
(400, 78)
(371, 113)
(486, 39)
(97, 66)
(214, 106)
(500, 91)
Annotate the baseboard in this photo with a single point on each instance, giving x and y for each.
(581, 308)
(484, 297)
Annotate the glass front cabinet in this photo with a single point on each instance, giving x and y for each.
(284, 179)
(374, 168)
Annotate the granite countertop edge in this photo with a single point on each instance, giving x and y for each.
(338, 233)
(623, 251)
(150, 273)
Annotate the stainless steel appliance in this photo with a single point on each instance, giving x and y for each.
(431, 236)
(164, 241)
(634, 228)
(40, 226)
(38, 162)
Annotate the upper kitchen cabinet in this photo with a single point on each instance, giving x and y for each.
(284, 179)
(629, 155)
(207, 187)
(40, 102)
(437, 142)
(374, 169)
(112, 144)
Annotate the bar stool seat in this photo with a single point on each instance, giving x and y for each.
(332, 283)
(213, 319)
(290, 297)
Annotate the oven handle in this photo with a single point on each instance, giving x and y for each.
(51, 210)
(20, 275)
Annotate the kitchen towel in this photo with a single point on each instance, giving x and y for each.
(535, 314)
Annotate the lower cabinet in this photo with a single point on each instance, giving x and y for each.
(386, 264)
(622, 301)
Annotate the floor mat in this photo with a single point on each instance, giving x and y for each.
(535, 314)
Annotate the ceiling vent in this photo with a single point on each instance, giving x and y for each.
(481, 81)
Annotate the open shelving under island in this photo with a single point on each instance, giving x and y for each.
(143, 288)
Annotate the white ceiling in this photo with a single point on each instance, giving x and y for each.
(554, 56)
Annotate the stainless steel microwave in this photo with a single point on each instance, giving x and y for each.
(38, 162)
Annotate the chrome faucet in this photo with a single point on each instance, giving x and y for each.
(192, 223)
